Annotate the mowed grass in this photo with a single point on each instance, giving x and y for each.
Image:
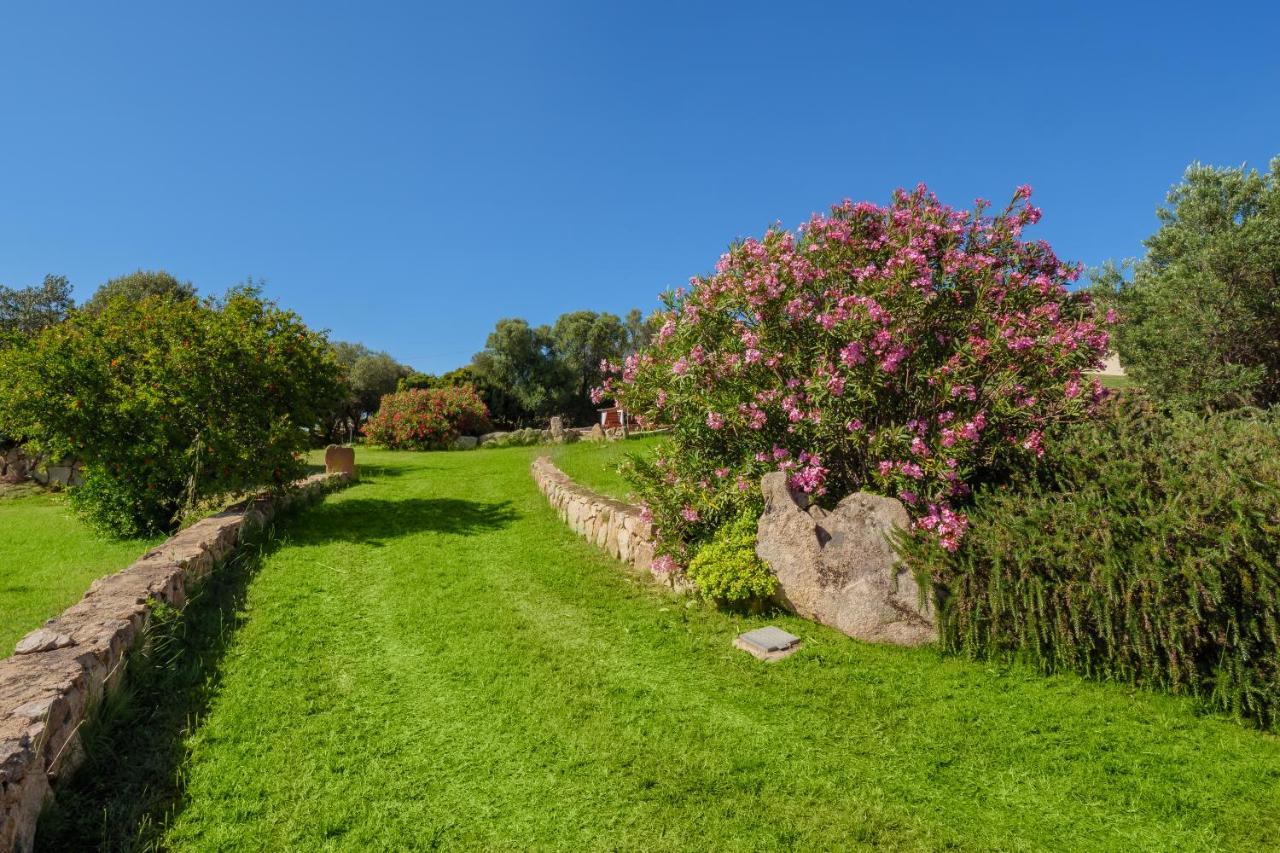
(431, 659)
(596, 464)
(48, 558)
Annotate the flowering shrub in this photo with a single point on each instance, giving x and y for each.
(169, 402)
(425, 418)
(908, 350)
(1143, 549)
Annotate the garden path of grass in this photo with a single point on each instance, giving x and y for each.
(433, 659)
(48, 558)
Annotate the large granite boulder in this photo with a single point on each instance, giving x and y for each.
(839, 567)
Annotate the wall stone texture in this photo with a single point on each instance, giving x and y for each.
(16, 466)
(60, 672)
(611, 525)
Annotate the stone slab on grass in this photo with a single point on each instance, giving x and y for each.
(768, 643)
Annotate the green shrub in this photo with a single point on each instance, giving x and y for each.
(727, 568)
(1145, 551)
(169, 402)
(425, 419)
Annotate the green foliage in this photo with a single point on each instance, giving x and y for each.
(521, 359)
(366, 376)
(137, 286)
(1144, 551)
(505, 410)
(1201, 317)
(169, 402)
(529, 373)
(27, 310)
(727, 568)
(582, 340)
(427, 419)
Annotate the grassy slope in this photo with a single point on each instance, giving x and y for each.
(433, 659)
(595, 464)
(47, 560)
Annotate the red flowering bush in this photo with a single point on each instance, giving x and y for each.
(909, 350)
(427, 418)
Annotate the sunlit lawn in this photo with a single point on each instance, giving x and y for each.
(48, 558)
(431, 659)
(596, 464)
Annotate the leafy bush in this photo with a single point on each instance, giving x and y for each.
(169, 402)
(907, 350)
(1201, 318)
(727, 568)
(427, 418)
(1145, 550)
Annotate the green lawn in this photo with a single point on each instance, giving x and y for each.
(48, 558)
(431, 659)
(594, 464)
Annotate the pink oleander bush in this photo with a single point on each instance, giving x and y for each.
(427, 418)
(911, 350)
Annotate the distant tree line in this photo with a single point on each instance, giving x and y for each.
(526, 374)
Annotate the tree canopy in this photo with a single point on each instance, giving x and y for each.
(1200, 320)
(27, 310)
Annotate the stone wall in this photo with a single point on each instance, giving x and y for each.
(16, 466)
(612, 525)
(59, 672)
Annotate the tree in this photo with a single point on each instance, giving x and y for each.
(27, 310)
(581, 341)
(640, 330)
(137, 286)
(366, 376)
(505, 411)
(170, 402)
(521, 359)
(1200, 321)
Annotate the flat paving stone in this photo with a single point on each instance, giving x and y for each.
(768, 643)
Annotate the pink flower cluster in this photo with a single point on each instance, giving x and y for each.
(905, 349)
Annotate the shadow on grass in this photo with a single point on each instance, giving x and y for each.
(370, 520)
(130, 785)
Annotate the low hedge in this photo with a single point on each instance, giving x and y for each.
(1145, 550)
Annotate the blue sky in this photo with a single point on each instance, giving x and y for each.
(406, 174)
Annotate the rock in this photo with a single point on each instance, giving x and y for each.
(340, 460)
(596, 434)
(557, 428)
(490, 438)
(768, 643)
(465, 442)
(840, 569)
(42, 640)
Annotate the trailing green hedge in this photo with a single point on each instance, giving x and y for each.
(1144, 551)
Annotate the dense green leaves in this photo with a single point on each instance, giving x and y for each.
(139, 285)
(1145, 550)
(1201, 318)
(27, 310)
(425, 419)
(169, 402)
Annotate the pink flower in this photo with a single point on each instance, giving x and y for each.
(689, 514)
(715, 420)
(852, 354)
(664, 565)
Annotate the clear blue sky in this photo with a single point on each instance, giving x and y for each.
(404, 175)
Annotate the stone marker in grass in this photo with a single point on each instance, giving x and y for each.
(768, 643)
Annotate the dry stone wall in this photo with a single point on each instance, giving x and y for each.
(612, 525)
(59, 672)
